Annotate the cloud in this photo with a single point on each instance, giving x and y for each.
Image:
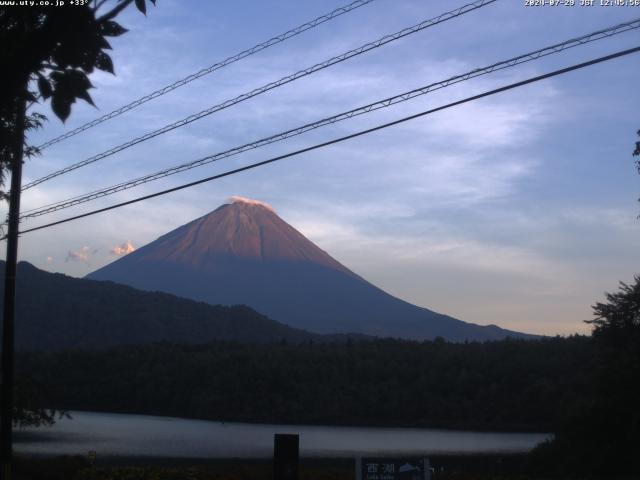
(435, 246)
(81, 255)
(122, 249)
(250, 201)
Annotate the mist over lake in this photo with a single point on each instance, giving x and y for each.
(118, 435)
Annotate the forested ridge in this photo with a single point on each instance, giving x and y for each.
(502, 385)
(58, 312)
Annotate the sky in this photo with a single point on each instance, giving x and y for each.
(518, 209)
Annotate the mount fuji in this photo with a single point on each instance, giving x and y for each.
(244, 253)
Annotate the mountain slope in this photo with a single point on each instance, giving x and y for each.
(56, 312)
(244, 253)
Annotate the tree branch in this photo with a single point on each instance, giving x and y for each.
(99, 4)
(115, 11)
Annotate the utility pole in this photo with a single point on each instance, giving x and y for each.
(8, 320)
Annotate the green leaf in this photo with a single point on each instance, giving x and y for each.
(45, 87)
(110, 28)
(71, 84)
(84, 95)
(142, 6)
(103, 44)
(104, 62)
(61, 106)
(88, 61)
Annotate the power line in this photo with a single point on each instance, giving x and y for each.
(270, 86)
(342, 139)
(206, 71)
(70, 202)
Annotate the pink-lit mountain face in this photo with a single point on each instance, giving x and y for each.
(244, 253)
(243, 230)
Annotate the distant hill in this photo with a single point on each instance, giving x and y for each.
(56, 312)
(244, 253)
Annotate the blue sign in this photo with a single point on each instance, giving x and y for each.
(394, 469)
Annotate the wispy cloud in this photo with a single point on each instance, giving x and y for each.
(250, 201)
(82, 255)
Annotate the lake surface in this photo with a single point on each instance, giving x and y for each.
(117, 435)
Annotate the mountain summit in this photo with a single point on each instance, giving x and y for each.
(246, 230)
(244, 253)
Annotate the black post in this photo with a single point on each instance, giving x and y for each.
(8, 320)
(285, 456)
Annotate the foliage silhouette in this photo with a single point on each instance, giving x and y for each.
(51, 49)
(602, 437)
(501, 385)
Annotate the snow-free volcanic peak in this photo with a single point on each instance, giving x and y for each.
(244, 253)
(243, 230)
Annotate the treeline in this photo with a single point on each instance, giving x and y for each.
(504, 385)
